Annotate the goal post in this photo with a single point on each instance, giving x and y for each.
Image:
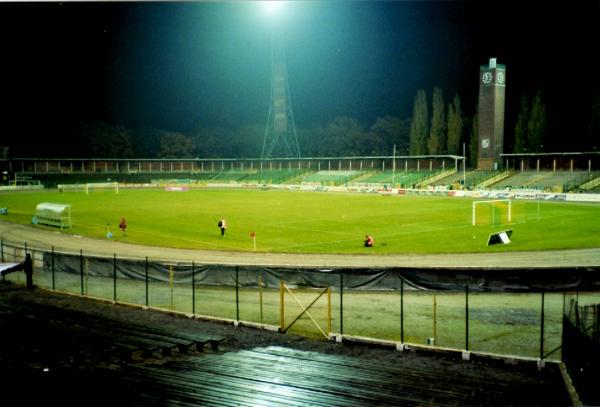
(502, 206)
(105, 186)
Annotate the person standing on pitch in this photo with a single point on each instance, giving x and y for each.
(123, 225)
(369, 241)
(222, 225)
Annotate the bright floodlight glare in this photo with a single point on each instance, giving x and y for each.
(271, 6)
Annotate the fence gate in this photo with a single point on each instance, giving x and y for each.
(306, 295)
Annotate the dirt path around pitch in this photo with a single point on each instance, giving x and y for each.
(38, 238)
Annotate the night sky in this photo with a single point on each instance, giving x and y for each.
(178, 66)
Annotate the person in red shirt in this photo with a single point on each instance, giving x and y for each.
(369, 241)
(123, 225)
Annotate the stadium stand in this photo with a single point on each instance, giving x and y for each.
(331, 177)
(83, 358)
(403, 179)
(556, 172)
(589, 182)
(73, 339)
(554, 181)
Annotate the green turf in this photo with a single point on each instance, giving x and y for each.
(312, 222)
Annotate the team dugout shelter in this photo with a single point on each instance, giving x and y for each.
(53, 214)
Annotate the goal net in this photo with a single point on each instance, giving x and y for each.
(90, 187)
(492, 212)
(101, 186)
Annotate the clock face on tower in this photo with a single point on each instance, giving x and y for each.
(500, 78)
(485, 143)
(486, 78)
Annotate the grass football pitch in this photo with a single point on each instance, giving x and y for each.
(314, 222)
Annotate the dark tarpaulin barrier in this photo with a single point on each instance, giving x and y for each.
(581, 350)
(523, 280)
(513, 280)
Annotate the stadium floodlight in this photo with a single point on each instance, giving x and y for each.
(271, 6)
(280, 139)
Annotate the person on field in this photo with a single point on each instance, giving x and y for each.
(222, 225)
(369, 241)
(123, 225)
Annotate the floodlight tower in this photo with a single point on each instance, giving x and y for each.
(280, 138)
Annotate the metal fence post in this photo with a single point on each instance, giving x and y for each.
(341, 304)
(115, 277)
(81, 268)
(596, 334)
(193, 289)
(329, 311)
(260, 295)
(434, 319)
(237, 294)
(52, 260)
(146, 267)
(542, 329)
(467, 317)
(281, 306)
(402, 310)
(172, 284)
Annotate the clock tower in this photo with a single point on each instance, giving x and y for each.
(492, 87)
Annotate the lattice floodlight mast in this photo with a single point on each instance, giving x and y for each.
(280, 134)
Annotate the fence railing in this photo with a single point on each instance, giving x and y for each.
(525, 324)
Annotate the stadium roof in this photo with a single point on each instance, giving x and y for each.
(448, 156)
(551, 154)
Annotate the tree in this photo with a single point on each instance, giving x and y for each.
(387, 131)
(247, 140)
(402, 139)
(311, 137)
(342, 137)
(474, 143)
(536, 127)
(176, 145)
(419, 126)
(594, 125)
(521, 139)
(146, 142)
(436, 143)
(455, 126)
(210, 142)
(104, 140)
(374, 140)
